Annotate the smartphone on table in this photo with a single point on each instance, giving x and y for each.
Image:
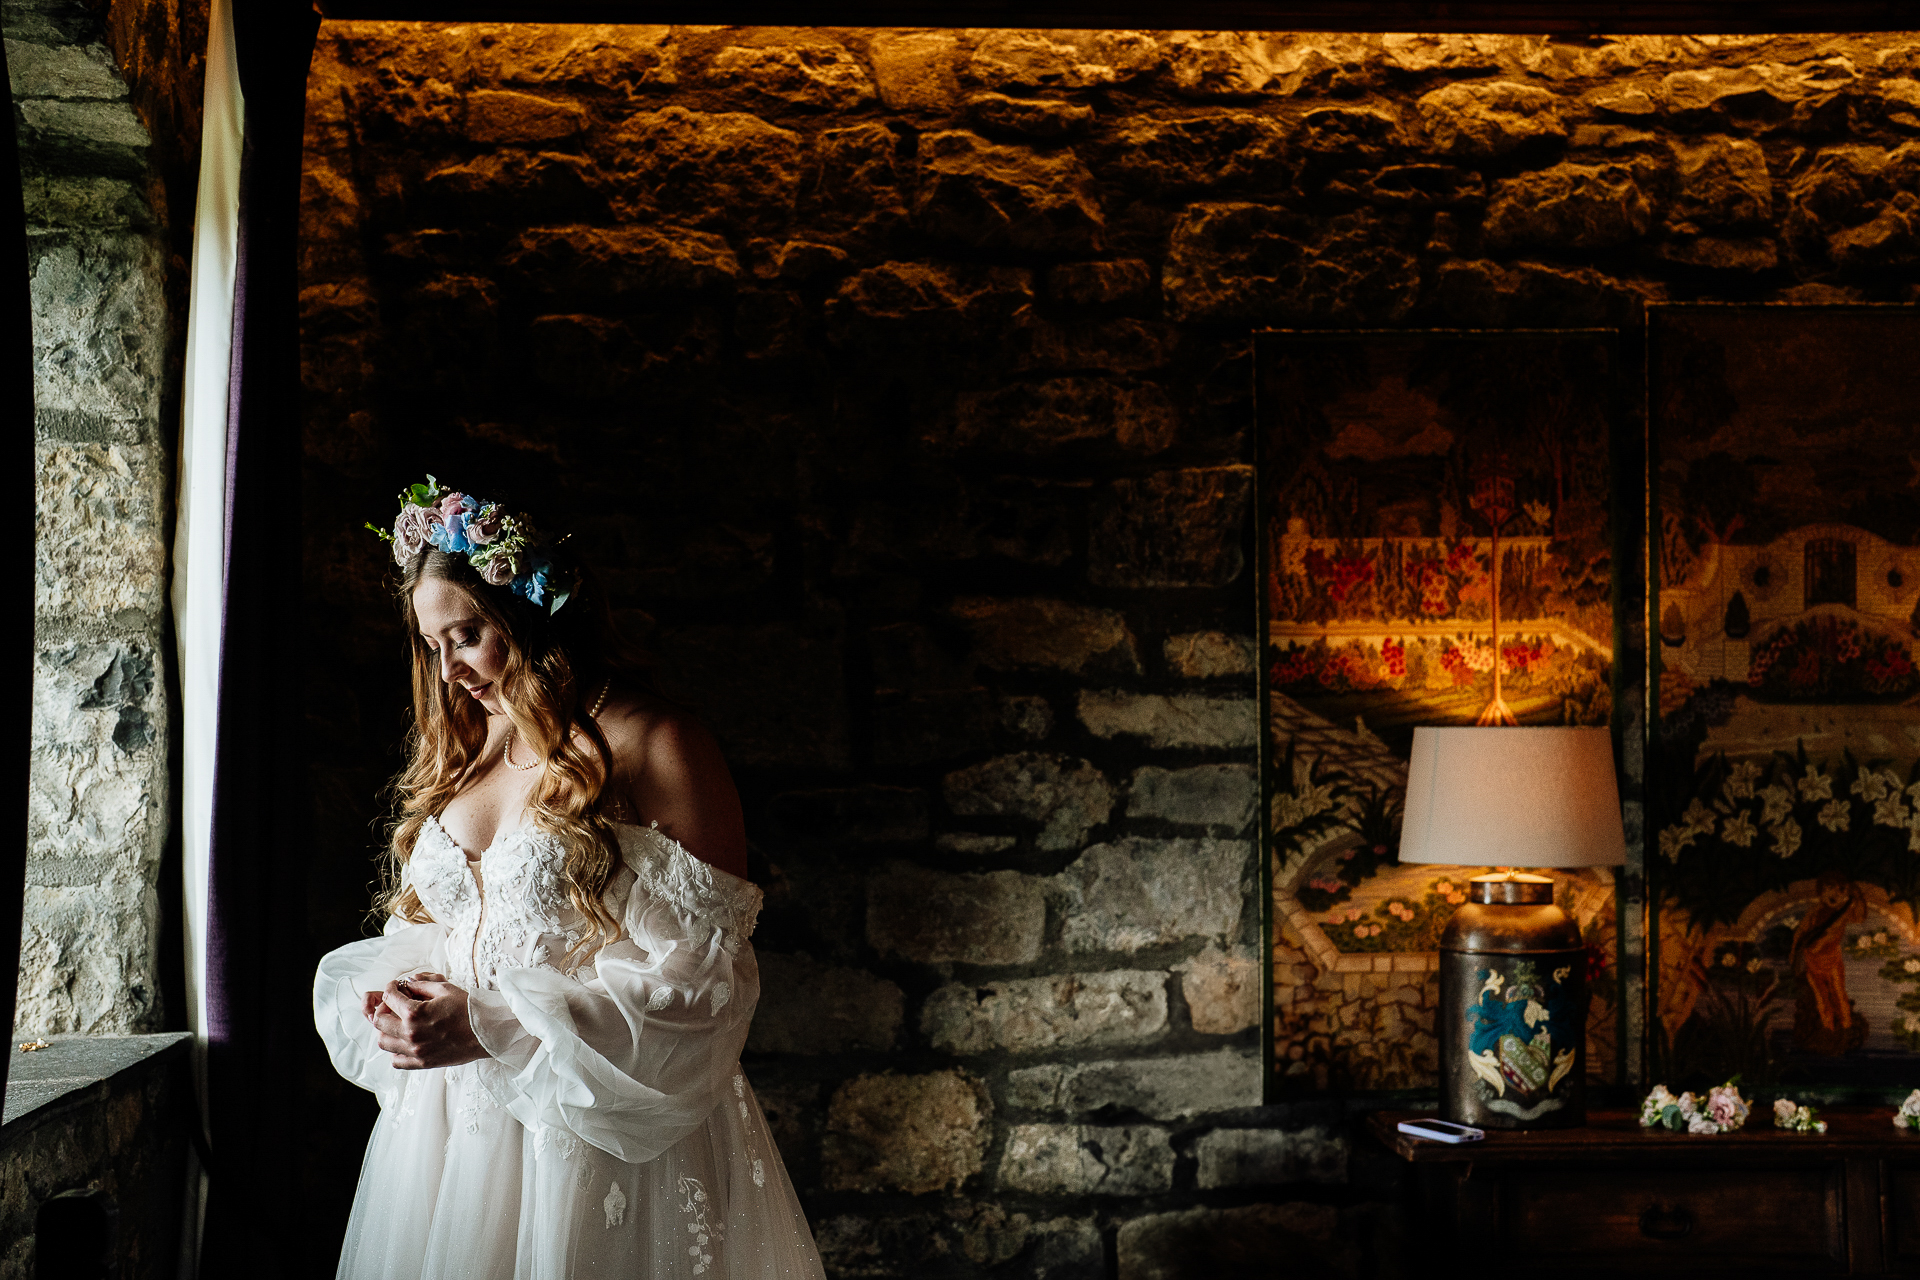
(1441, 1131)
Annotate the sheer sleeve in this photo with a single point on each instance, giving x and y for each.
(343, 979)
(633, 1053)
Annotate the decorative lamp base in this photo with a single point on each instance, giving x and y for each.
(1513, 1009)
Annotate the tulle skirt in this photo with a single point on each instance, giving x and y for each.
(455, 1188)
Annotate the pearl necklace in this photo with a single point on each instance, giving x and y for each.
(506, 744)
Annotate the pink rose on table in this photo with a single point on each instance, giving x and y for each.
(1724, 1105)
(497, 571)
(410, 532)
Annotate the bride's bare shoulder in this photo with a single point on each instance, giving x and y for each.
(667, 768)
(644, 730)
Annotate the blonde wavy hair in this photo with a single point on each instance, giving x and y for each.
(552, 661)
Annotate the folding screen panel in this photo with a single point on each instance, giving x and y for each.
(1388, 463)
(1784, 780)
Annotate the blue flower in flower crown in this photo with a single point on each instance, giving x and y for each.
(534, 585)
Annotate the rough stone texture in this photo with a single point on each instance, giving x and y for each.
(1041, 119)
(1208, 795)
(1076, 1010)
(89, 955)
(1719, 182)
(1222, 991)
(1084, 1160)
(808, 1007)
(1203, 655)
(1229, 151)
(98, 184)
(824, 76)
(590, 261)
(1221, 64)
(1062, 413)
(937, 918)
(913, 70)
(100, 330)
(1172, 529)
(100, 546)
(1479, 120)
(1193, 1244)
(1060, 59)
(1268, 1157)
(906, 1133)
(707, 168)
(1536, 293)
(988, 196)
(1162, 721)
(1067, 797)
(926, 300)
(1157, 1088)
(1063, 1248)
(1249, 262)
(1100, 283)
(1572, 205)
(1011, 635)
(1136, 893)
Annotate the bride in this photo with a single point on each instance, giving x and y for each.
(553, 1018)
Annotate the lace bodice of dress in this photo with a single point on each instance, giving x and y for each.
(524, 918)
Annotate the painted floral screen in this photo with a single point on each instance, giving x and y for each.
(1784, 780)
(1776, 509)
(1389, 463)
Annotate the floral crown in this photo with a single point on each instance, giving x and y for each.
(503, 548)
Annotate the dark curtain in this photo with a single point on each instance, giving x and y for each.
(271, 662)
(16, 402)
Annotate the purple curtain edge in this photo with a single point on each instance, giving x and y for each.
(256, 998)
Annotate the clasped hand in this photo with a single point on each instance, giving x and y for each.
(422, 1021)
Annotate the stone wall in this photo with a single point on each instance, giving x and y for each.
(898, 380)
(105, 1111)
(106, 389)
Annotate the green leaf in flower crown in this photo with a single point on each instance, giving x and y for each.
(384, 535)
(557, 598)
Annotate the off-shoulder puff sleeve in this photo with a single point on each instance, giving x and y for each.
(633, 1053)
(341, 983)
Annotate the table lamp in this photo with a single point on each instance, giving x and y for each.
(1513, 970)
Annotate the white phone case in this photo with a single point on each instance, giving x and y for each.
(1441, 1131)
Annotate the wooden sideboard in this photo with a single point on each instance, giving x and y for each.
(1614, 1199)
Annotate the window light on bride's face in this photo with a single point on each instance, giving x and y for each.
(471, 651)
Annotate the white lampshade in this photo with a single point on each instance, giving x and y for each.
(1509, 797)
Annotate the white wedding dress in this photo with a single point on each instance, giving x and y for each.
(611, 1133)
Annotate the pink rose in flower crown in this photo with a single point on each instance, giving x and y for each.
(410, 532)
(483, 526)
(452, 505)
(497, 571)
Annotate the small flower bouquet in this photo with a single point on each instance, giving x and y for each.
(1908, 1116)
(1722, 1111)
(1800, 1119)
